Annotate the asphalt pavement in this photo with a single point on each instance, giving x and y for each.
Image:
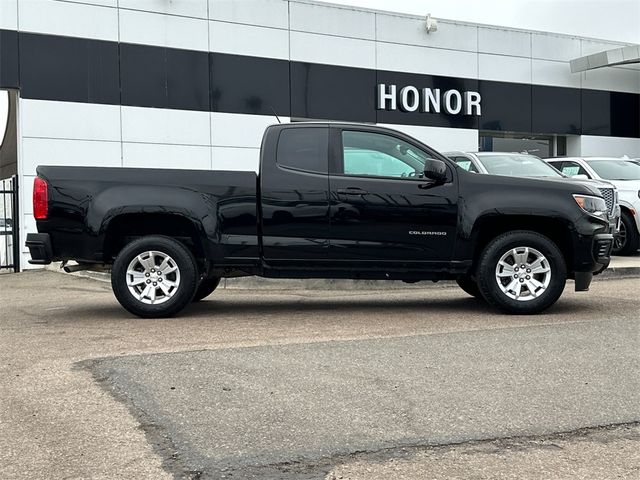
(416, 383)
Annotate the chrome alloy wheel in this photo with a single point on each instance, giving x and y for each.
(523, 273)
(620, 239)
(153, 277)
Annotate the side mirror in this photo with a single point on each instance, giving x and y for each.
(435, 170)
(580, 176)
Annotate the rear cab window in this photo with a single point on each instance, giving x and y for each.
(305, 149)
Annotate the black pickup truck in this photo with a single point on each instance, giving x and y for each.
(330, 201)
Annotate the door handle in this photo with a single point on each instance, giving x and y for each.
(352, 191)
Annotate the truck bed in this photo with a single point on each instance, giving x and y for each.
(85, 202)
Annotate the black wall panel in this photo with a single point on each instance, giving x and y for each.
(505, 106)
(332, 92)
(249, 84)
(68, 69)
(596, 111)
(164, 77)
(624, 114)
(9, 59)
(188, 79)
(143, 76)
(51, 67)
(555, 110)
(610, 113)
(426, 81)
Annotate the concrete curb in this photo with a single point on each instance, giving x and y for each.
(619, 272)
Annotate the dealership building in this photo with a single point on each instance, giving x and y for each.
(192, 84)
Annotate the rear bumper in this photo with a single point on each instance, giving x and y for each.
(39, 245)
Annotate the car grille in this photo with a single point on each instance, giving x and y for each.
(607, 193)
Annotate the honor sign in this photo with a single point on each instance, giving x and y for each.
(428, 100)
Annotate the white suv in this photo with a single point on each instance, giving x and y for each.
(623, 174)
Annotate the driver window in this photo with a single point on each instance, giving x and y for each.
(379, 155)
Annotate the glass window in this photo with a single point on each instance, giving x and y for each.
(305, 148)
(538, 145)
(379, 155)
(571, 169)
(517, 165)
(465, 163)
(616, 169)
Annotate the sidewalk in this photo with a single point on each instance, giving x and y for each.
(622, 267)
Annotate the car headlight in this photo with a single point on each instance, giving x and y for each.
(592, 205)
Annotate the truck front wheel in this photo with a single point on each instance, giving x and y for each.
(154, 276)
(521, 272)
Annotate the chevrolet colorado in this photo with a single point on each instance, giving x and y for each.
(330, 201)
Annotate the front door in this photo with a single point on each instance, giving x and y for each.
(382, 210)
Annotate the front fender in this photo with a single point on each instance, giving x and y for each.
(634, 208)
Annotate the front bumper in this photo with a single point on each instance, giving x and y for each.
(600, 256)
(39, 245)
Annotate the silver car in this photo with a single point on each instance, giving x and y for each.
(525, 165)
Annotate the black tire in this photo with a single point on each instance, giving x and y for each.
(206, 288)
(469, 285)
(629, 240)
(182, 293)
(488, 281)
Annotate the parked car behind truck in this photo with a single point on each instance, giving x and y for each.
(330, 201)
(525, 165)
(623, 174)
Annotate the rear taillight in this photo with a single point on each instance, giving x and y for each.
(40, 199)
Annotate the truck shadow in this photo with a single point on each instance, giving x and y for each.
(333, 306)
(231, 309)
(429, 307)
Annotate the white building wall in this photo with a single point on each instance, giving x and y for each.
(87, 134)
(9, 14)
(591, 145)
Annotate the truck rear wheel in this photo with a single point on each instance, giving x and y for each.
(154, 277)
(521, 272)
(206, 288)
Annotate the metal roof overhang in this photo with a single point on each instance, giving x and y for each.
(608, 58)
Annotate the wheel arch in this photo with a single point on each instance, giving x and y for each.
(629, 210)
(491, 226)
(122, 229)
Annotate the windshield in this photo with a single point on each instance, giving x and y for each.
(615, 169)
(518, 166)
